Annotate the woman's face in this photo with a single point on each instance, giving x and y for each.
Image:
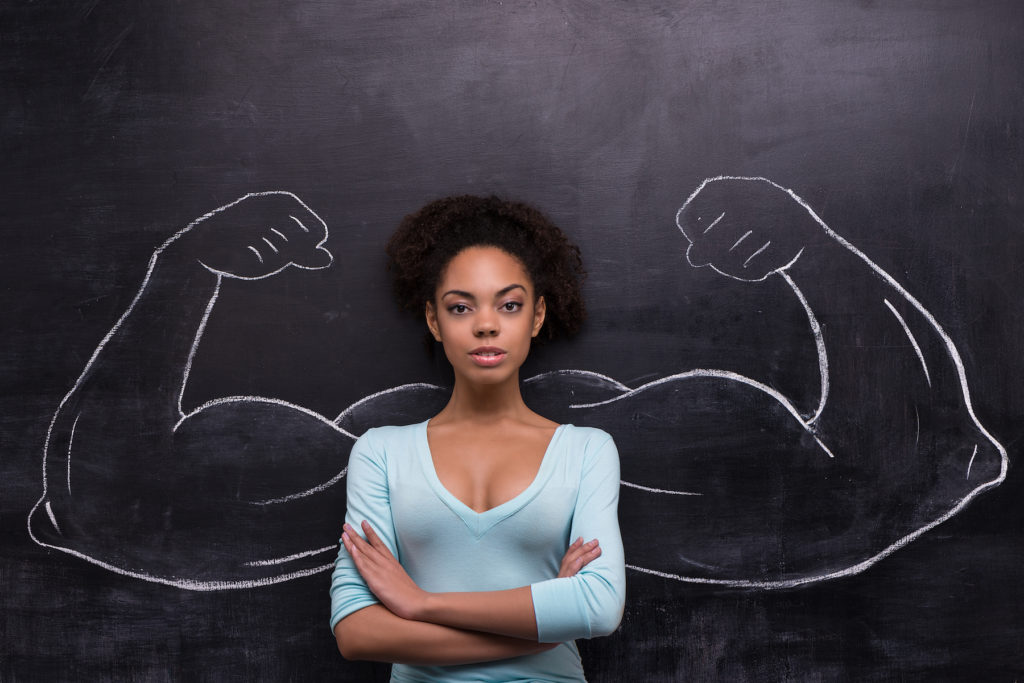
(485, 312)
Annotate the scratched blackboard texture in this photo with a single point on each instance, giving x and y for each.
(901, 125)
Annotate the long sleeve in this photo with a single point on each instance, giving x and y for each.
(368, 497)
(591, 603)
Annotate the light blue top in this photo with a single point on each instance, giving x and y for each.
(445, 545)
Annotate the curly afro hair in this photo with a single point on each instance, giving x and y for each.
(427, 240)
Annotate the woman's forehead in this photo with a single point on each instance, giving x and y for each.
(484, 267)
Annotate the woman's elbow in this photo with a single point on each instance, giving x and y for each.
(349, 642)
(606, 599)
(604, 622)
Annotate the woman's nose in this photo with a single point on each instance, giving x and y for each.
(486, 326)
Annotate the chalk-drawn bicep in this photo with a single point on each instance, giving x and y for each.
(259, 450)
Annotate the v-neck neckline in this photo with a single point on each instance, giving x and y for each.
(480, 522)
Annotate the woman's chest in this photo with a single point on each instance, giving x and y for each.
(484, 473)
(449, 546)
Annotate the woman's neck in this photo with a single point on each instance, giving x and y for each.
(484, 403)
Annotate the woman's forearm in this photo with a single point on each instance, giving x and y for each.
(504, 612)
(376, 634)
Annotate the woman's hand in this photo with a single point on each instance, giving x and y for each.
(578, 556)
(383, 574)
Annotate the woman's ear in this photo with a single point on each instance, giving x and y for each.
(430, 313)
(539, 311)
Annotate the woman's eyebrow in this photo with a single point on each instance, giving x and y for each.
(458, 292)
(506, 290)
(501, 292)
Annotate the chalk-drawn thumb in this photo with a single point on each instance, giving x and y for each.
(745, 228)
(316, 259)
(255, 237)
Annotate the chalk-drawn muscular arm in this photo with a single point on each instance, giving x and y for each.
(726, 480)
(134, 484)
(745, 488)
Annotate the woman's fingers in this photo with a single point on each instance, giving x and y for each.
(384, 575)
(374, 540)
(585, 558)
(579, 555)
(360, 550)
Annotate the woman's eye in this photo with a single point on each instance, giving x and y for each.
(458, 308)
(511, 306)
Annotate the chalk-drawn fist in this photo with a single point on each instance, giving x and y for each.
(745, 228)
(256, 236)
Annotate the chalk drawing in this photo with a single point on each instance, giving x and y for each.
(253, 533)
(913, 341)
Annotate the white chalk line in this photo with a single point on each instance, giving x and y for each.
(271, 245)
(256, 251)
(279, 234)
(822, 444)
(290, 558)
(714, 223)
(195, 345)
(190, 584)
(747, 234)
(719, 374)
(819, 345)
(971, 463)
(751, 257)
(913, 341)
(71, 441)
(263, 399)
(530, 380)
(378, 394)
(695, 563)
(49, 512)
(302, 494)
(580, 373)
(654, 490)
(300, 223)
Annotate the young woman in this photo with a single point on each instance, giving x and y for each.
(479, 544)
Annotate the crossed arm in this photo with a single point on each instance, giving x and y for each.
(413, 626)
(380, 613)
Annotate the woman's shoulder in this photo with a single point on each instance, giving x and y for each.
(388, 437)
(589, 438)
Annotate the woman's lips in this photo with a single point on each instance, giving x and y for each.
(487, 356)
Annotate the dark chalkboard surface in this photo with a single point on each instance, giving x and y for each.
(802, 227)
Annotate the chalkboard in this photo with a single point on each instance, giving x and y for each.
(801, 223)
